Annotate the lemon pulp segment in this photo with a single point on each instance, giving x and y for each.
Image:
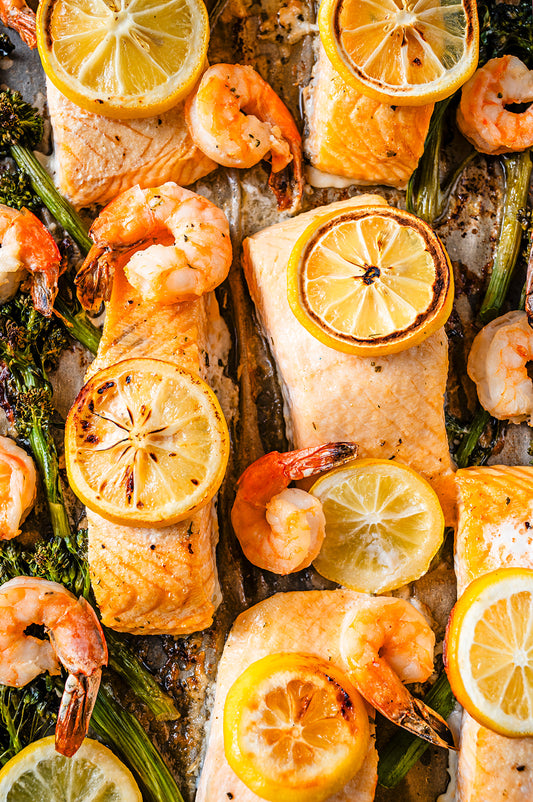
(146, 442)
(370, 281)
(123, 58)
(409, 52)
(384, 525)
(295, 728)
(489, 651)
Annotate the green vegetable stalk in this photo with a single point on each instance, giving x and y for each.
(426, 196)
(21, 130)
(517, 171)
(124, 733)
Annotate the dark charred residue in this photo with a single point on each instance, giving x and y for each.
(417, 62)
(105, 386)
(195, 482)
(92, 438)
(153, 456)
(128, 378)
(91, 406)
(152, 546)
(129, 484)
(189, 548)
(345, 703)
(521, 768)
(84, 424)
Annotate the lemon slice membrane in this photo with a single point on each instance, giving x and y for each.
(295, 728)
(370, 281)
(489, 651)
(146, 442)
(123, 58)
(40, 774)
(406, 52)
(384, 525)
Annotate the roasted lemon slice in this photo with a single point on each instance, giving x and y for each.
(145, 443)
(406, 52)
(489, 651)
(370, 281)
(123, 58)
(40, 774)
(384, 525)
(295, 728)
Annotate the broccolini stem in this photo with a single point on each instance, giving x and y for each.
(517, 172)
(121, 730)
(471, 438)
(78, 325)
(401, 753)
(44, 187)
(44, 451)
(142, 683)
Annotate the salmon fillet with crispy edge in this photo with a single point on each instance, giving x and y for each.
(354, 136)
(495, 516)
(306, 622)
(99, 157)
(392, 406)
(154, 580)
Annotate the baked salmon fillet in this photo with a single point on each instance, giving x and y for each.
(306, 622)
(97, 157)
(356, 137)
(495, 530)
(392, 406)
(155, 580)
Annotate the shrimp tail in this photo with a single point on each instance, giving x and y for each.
(44, 291)
(21, 20)
(288, 184)
(308, 461)
(75, 711)
(426, 723)
(95, 278)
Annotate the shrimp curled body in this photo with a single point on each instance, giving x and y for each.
(482, 115)
(281, 529)
(76, 642)
(174, 246)
(16, 14)
(27, 247)
(18, 482)
(237, 119)
(386, 642)
(497, 363)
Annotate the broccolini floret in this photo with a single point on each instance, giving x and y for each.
(16, 191)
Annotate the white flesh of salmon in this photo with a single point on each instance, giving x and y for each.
(495, 530)
(99, 157)
(392, 406)
(154, 580)
(309, 623)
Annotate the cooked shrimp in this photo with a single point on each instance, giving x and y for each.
(17, 487)
(497, 363)
(482, 115)
(17, 15)
(237, 119)
(28, 247)
(174, 246)
(76, 642)
(386, 642)
(281, 529)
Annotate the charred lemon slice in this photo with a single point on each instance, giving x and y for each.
(295, 728)
(145, 443)
(370, 281)
(489, 651)
(123, 58)
(406, 52)
(384, 525)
